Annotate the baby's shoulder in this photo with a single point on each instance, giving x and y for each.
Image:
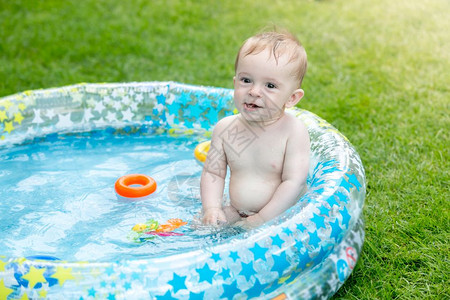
(298, 136)
(222, 126)
(295, 124)
(225, 122)
(296, 130)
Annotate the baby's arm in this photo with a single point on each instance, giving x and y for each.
(293, 177)
(213, 180)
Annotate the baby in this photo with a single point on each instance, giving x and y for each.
(266, 149)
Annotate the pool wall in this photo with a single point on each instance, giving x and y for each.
(308, 252)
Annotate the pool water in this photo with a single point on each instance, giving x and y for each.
(57, 197)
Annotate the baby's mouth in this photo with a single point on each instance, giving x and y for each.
(251, 106)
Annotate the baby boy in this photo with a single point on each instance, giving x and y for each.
(266, 149)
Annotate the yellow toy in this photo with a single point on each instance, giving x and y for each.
(150, 229)
(201, 151)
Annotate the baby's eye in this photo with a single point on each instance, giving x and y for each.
(245, 80)
(271, 86)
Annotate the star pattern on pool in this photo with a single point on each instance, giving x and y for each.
(178, 282)
(11, 115)
(102, 107)
(205, 273)
(259, 252)
(285, 265)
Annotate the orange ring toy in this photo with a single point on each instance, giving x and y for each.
(146, 186)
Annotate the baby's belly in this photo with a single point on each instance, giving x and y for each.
(251, 193)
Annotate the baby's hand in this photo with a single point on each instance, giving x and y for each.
(214, 216)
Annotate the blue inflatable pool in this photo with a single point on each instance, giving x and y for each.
(306, 253)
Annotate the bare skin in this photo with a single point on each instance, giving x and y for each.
(266, 149)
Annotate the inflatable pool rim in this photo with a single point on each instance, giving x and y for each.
(307, 252)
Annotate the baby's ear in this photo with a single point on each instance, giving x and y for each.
(296, 96)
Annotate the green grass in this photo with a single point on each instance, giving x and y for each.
(378, 70)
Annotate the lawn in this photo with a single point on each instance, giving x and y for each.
(378, 70)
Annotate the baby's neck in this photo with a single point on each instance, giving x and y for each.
(262, 124)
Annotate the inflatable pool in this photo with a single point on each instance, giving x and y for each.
(308, 252)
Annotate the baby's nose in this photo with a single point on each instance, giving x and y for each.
(255, 91)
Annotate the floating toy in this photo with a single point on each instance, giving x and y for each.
(201, 151)
(149, 225)
(164, 233)
(142, 232)
(135, 186)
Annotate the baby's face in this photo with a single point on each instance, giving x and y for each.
(262, 87)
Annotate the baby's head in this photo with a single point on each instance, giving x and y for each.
(279, 44)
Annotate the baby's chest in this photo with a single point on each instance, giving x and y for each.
(262, 154)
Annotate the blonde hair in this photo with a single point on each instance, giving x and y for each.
(279, 43)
